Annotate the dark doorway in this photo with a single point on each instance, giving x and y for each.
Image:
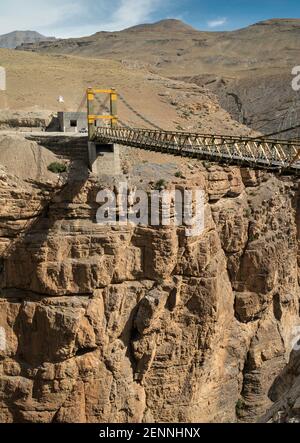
(104, 148)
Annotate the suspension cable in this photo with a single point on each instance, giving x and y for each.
(82, 103)
(138, 114)
(282, 131)
(147, 121)
(123, 124)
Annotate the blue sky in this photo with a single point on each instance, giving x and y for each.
(67, 18)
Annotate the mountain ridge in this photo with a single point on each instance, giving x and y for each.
(249, 69)
(16, 38)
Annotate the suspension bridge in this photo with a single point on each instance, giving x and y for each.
(260, 152)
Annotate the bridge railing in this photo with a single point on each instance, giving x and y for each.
(269, 153)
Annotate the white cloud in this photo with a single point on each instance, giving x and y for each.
(36, 14)
(67, 18)
(217, 22)
(131, 12)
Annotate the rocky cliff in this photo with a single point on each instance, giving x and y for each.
(285, 392)
(126, 324)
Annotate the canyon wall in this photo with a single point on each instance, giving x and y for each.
(122, 324)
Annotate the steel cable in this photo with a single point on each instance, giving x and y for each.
(138, 114)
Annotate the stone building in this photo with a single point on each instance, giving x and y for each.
(72, 121)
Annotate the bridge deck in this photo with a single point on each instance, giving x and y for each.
(266, 153)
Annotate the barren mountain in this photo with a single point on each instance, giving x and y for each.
(172, 47)
(17, 38)
(35, 81)
(249, 69)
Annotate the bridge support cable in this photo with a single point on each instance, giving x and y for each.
(267, 153)
(282, 131)
(138, 114)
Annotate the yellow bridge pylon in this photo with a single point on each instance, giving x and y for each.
(94, 106)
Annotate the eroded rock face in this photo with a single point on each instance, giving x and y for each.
(285, 391)
(22, 120)
(119, 324)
